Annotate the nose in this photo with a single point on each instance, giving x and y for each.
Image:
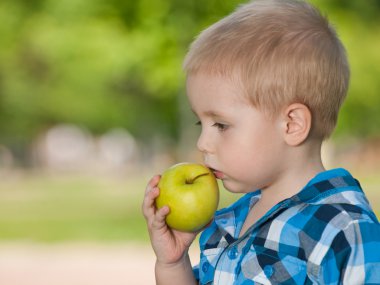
(204, 143)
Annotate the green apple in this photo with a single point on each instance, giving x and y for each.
(191, 192)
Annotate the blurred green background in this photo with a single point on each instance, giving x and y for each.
(92, 104)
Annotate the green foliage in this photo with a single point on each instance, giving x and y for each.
(104, 64)
(358, 24)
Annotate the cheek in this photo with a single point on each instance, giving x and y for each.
(240, 155)
(254, 151)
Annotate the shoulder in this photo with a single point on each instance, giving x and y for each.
(332, 204)
(338, 224)
(309, 231)
(320, 225)
(340, 241)
(318, 220)
(353, 254)
(337, 241)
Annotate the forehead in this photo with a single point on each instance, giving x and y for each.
(214, 87)
(215, 96)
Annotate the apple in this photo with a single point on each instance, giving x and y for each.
(191, 192)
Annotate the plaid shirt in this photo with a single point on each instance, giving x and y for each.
(326, 234)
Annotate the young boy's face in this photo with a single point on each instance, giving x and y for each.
(237, 141)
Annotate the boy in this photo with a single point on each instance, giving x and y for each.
(266, 83)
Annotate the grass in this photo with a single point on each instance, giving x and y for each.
(47, 208)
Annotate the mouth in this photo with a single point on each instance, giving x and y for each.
(218, 174)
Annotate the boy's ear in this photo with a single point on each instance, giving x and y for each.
(297, 124)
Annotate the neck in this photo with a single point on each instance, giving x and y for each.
(303, 163)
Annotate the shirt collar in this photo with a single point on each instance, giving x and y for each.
(327, 183)
(326, 187)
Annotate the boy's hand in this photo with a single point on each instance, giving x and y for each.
(169, 245)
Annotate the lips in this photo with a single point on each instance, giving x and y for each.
(218, 174)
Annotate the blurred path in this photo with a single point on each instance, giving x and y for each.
(77, 264)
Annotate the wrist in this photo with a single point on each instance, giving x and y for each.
(182, 262)
(170, 273)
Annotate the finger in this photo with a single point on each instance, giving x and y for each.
(159, 218)
(148, 206)
(152, 183)
(151, 193)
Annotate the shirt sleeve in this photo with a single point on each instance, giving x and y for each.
(354, 255)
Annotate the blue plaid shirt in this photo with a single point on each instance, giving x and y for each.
(326, 234)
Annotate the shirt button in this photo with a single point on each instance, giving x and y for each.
(268, 270)
(233, 253)
(205, 267)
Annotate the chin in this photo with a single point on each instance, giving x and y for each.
(232, 187)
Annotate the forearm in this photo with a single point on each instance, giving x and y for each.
(178, 273)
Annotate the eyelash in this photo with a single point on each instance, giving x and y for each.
(221, 127)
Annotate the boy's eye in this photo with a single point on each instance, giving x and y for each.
(221, 127)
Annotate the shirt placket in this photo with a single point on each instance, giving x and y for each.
(229, 259)
(232, 257)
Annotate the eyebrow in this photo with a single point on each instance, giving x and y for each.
(210, 113)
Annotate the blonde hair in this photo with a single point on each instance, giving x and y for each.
(282, 52)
